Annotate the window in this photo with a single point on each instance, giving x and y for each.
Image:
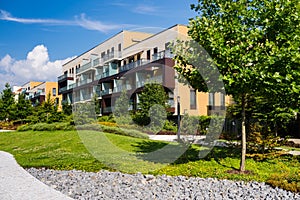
(211, 99)
(120, 47)
(102, 54)
(54, 91)
(155, 50)
(148, 54)
(167, 46)
(222, 99)
(193, 99)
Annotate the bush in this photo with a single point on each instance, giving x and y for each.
(112, 124)
(106, 118)
(285, 181)
(170, 126)
(46, 127)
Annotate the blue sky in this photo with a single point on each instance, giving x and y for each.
(38, 36)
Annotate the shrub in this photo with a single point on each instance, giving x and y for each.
(46, 127)
(112, 124)
(106, 118)
(170, 126)
(285, 181)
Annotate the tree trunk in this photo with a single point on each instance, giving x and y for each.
(243, 154)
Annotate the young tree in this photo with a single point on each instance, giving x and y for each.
(152, 106)
(255, 46)
(23, 107)
(7, 104)
(121, 113)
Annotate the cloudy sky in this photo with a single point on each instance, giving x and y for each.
(37, 37)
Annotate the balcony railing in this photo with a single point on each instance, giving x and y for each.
(107, 91)
(154, 79)
(134, 64)
(112, 56)
(162, 54)
(38, 94)
(62, 77)
(84, 67)
(83, 82)
(63, 89)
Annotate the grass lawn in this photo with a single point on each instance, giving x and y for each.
(69, 150)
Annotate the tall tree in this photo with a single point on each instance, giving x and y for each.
(255, 46)
(23, 107)
(7, 104)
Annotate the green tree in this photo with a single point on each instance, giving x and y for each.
(255, 46)
(23, 107)
(7, 104)
(121, 110)
(152, 106)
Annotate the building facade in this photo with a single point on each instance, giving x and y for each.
(37, 92)
(127, 61)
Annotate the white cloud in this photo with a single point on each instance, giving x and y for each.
(147, 9)
(36, 67)
(81, 21)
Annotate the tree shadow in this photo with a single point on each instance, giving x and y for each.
(181, 153)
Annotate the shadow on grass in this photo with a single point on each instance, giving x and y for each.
(179, 153)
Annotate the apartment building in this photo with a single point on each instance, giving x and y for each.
(37, 92)
(127, 61)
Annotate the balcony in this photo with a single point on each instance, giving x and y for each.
(62, 77)
(105, 92)
(154, 79)
(84, 68)
(120, 88)
(134, 64)
(39, 94)
(83, 82)
(162, 54)
(63, 89)
(115, 55)
(96, 62)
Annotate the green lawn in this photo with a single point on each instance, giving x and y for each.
(70, 150)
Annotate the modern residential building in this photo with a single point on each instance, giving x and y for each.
(37, 92)
(127, 61)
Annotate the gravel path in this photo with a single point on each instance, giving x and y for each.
(116, 185)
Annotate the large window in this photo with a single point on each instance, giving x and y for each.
(193, 99)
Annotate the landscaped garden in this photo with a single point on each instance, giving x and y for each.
(64, 150)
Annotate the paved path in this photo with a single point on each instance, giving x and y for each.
(17, 184)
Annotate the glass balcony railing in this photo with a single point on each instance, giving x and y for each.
(84, 67)
(38, 94)
(154, 79)
(62, 77)
(162, 54)
(83, 82)
(105, 92)
(134, 65)
(112, 56)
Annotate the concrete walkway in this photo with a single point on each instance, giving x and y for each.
(17, 184)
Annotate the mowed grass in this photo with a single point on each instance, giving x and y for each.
(93, 151)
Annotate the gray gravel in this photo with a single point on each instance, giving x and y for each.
(116, 185)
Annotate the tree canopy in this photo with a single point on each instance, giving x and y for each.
(255, 46)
